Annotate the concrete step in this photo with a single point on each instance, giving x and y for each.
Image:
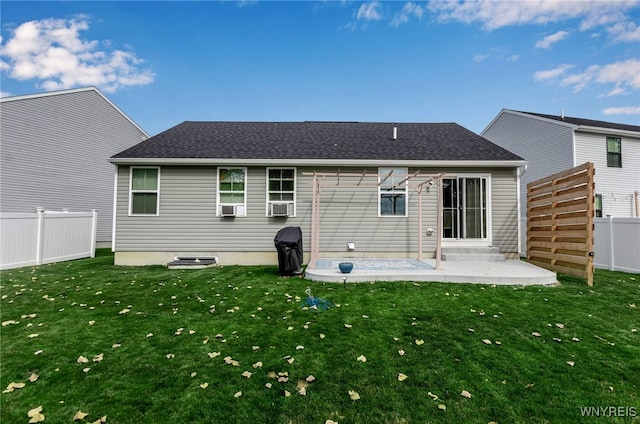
(472, 254)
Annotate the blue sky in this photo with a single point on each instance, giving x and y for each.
(166, 62)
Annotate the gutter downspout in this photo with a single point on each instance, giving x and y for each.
(115, 205)
(521, 171)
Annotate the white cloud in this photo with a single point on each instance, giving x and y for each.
(547, 41)
(623, 75)
(409, 10)
(552, 73)
(369, 11)
(498, 14)
(52, 52)
(622, 110)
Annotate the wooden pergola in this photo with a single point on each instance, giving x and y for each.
(416, 180)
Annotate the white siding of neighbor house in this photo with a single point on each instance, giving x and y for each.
(187, 219)
(616, 185)
(55, 151)
(545, 145)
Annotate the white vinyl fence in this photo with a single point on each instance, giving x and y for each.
(617, 243)
(45, 236)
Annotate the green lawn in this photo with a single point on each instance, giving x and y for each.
(171, 346)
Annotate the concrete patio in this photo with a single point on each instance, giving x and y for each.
(509, 272)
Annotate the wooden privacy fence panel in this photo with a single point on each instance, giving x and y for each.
(560, 210)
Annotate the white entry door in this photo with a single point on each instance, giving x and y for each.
(465, 208)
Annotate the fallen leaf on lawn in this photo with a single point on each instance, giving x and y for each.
(170, 356)
(10, 322)
(571, 363)
(213, 354)
(362, 358)
(206, 340)
(310, 379)
(82, 360)
(322, 336)
(124, 311)
(289, 328)
(535, 334)
(33, 336)
(192, 332)
(354, 395)
(465, 394)
(12, 386)
(575, 339)
(498, 343)
(300, 347)
(246, 374)
(149, 335)
(116, 345)
(348, 326)
(92, 322)
(442, 407)
(38, 352)
(287, 393)
(36, 415)
(79, 416)
(98, 357)
(268, 385)
(257, 365)
(555, 339)
(255, 347)
(419, 342)
(272, 374)
(486, 341)
(193, 374)
(434, 397)
(559, 325)
(204, 385)
(291, 360)
(529, 385)
(401, 352)
(330, 422)
(86, 370)
(100, 420)
(402, 377)
(33, 377)
(471, 330)
(237, 395)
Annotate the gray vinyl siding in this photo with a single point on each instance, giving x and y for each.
(187, 219)
(546, 146)
(616, 185)
(55, 151)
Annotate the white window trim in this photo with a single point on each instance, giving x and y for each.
(131, 191)
(488, 240)
(295, 190)
(406, 192)
(243, 210)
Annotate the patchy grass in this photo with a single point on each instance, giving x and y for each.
(153, 338)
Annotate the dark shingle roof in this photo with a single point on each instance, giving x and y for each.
(587, 122)
(317, 141)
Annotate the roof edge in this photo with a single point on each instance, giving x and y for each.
(318, 162)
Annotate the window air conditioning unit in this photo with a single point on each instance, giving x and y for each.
(279, 209)
(228, 210)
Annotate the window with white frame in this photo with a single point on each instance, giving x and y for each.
(144, 191)
(281, 191)
(614, 152)
(232, 191)
(392, 191)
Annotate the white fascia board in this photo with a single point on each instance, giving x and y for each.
(320, 162)
(608, 131)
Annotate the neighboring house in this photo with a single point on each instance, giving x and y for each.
(54, 153)
(551, 143)
(224, 189)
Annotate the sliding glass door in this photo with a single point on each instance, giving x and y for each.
(465, 208)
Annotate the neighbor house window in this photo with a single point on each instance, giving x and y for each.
(281, 191)
(614, 152)
(392, 191)
(232, 184)
(598, 205)
(144, 191)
